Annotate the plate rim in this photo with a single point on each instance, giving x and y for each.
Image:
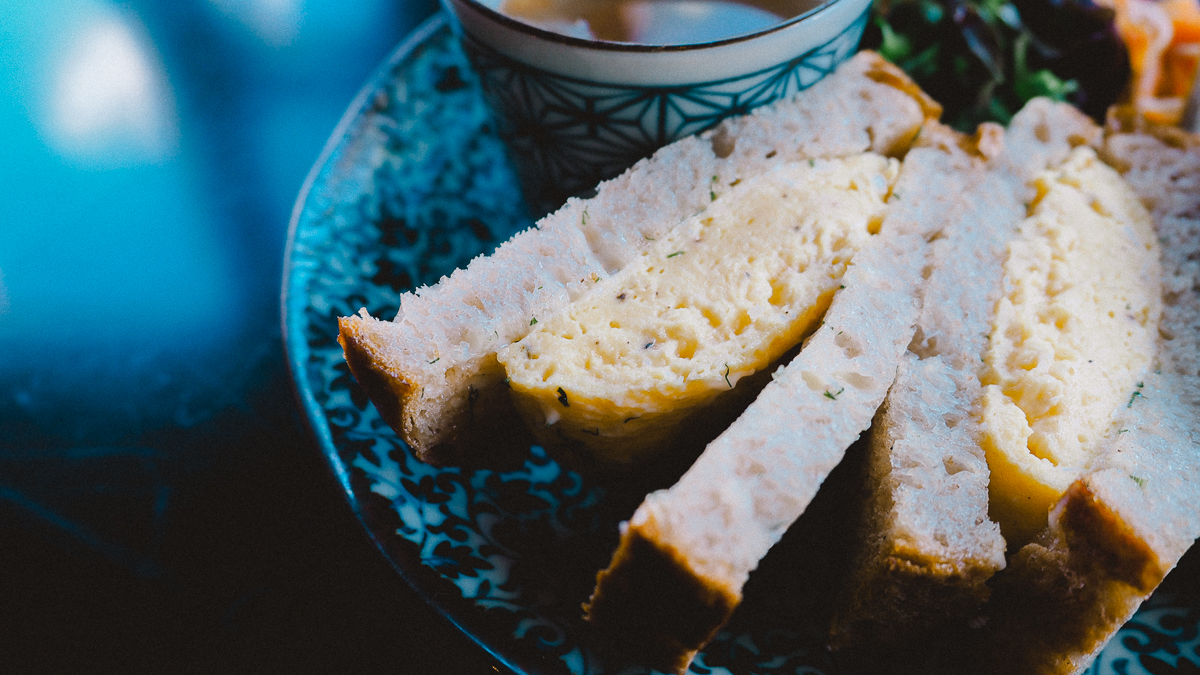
(296, 351)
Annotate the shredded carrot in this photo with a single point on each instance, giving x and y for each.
(1163, 39)
(1179, 70)
(1185, 17)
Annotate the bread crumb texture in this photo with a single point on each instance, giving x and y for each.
(721, 296)
(1074, 331)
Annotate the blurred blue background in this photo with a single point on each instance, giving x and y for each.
(152, 151)
(161, 507)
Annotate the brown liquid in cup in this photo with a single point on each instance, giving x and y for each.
(655, 21)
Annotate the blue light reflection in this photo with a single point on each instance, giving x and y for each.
(149, 155)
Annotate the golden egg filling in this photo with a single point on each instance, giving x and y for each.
(723, 295)
(1073, 332)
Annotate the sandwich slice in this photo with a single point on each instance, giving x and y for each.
(632, 364)
(685, 554)
(433, 372)
(1026, 491)
(1131, 515)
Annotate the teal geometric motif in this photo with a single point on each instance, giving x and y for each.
(568, 134)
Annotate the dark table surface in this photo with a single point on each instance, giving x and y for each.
(162, 508)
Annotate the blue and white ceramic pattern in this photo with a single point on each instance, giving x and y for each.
(577, 111)
(414, 183)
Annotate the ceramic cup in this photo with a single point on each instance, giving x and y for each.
(576, 111)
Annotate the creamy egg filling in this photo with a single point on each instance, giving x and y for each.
(1073, 333)
(724, 295)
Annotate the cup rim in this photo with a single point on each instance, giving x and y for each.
(635, 47)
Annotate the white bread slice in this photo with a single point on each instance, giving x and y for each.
(432, 371)
(1130, 518)
(685, 554)
(926, 546)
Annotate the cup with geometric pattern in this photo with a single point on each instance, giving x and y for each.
(574, 111)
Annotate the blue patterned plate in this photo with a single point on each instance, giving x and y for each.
(413, 184)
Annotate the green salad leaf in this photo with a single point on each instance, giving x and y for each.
(984, 59)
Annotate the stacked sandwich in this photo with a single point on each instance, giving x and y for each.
(1011, 317)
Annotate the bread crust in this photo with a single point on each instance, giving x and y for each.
(1047, 615)
(1096, 537)
(390, 391)
(652, 607)
(487, 418)
(1062, 598)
